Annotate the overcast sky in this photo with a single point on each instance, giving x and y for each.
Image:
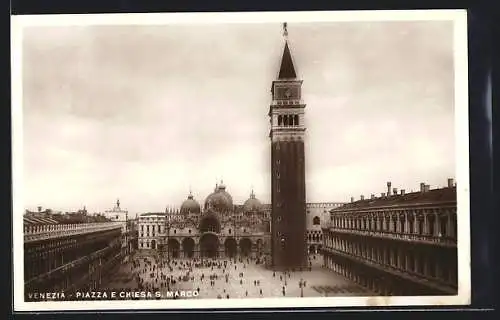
(144, 113)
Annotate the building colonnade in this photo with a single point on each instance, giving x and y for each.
(406, 261)
(66, 263)
(426, 223)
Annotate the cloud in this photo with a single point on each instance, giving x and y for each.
(145, 113)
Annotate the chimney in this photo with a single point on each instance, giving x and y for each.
(402, 192)
(382, 195)
(388, 188)
(352, 199)
(450, 183)
(422, 187)
(39, 209)
(362, 197)
(372, 196)
(395, 191)
(427, 188)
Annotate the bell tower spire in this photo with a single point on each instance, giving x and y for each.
(287, 70)
(288, 193)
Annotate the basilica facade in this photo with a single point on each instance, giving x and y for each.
(218, 229)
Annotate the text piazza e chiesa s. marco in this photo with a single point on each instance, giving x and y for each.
(392, 243)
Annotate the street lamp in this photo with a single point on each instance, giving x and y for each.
(302, 284)
(169, 224)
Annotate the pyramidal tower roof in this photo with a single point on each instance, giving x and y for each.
(287, 70)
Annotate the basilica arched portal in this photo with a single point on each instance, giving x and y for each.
(188, 247)
(209, 244)
(245, 246)
(173, 248)
(230, 247)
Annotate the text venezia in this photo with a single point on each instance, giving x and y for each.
(99, 295)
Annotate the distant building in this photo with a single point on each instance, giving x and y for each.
(117, 213)
(317, 216)
(129, 233)
(397, 243)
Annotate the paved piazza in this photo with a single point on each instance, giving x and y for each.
(320, 282)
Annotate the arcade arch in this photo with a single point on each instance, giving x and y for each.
(188, 247)
(173, 248)
(209, 244)
(245, 246)
(230, 247)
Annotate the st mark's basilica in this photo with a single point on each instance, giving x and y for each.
(218, 229)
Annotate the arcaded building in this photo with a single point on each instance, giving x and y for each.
(219, 229)
(397, 243)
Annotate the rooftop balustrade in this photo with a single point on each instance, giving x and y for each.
(50, 231)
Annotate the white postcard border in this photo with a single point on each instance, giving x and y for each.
(459, 17)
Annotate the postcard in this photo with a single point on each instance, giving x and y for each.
(240, 160)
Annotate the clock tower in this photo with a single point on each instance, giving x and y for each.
(288, 192)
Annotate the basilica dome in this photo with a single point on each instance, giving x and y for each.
(219, 200)
(190, 205)
(252, 204)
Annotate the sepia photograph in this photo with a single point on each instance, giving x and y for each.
(240, 160)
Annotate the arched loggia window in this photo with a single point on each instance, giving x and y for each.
(280, 120)
(285, 120)
(296, 119)
(316, 221)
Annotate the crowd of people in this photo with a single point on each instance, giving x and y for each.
(209, 277)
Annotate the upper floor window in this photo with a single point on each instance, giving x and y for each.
(443, 224)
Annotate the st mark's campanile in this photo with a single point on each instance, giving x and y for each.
(288, 226)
